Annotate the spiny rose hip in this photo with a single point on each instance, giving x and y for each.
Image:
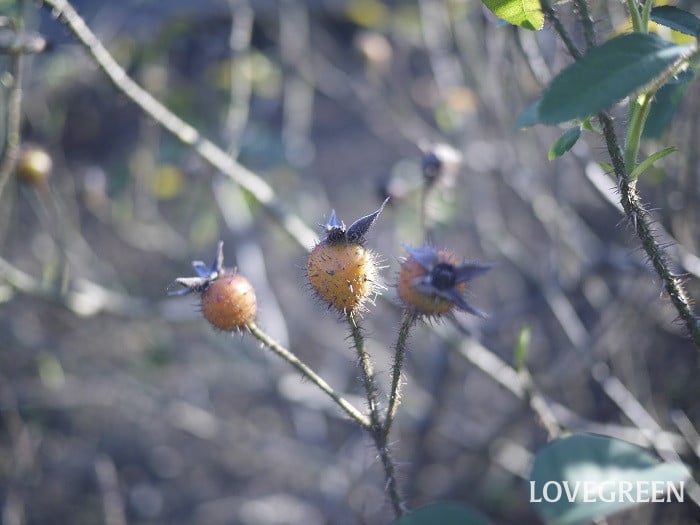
(229, 303)
(432, 282)
(342, 272)
(228, 299)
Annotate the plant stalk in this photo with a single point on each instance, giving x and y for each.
(399, 354)
(376, 429)
(309, 374)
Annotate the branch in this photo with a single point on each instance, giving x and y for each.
(309, 374)
(629, 197)
(260, 190)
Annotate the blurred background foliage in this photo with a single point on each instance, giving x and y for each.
(119, 405)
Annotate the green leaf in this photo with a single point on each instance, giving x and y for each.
(607, 167)
(677, 19)
(565, 142)
(529, 117)
(646, 163)
(605, 75)
(443, 514)
(665, 104)
(608, 465)
(523, 13)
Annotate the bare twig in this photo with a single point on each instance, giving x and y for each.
(260, 190)
(14, 116)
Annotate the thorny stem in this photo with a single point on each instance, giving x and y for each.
(308, 373)
(260, 190)
(587, 22)
(376, 429)
(551, 15)
(629, 197)
(399, 354)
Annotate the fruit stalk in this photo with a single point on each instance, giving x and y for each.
(376, 429)
(399, 354)
(308, 373)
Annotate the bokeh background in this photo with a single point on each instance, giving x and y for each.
(119, 404)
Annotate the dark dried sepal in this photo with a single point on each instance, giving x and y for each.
(191, 284)
(205, 274)
(468, 271)
(358, 229)
(426, 256)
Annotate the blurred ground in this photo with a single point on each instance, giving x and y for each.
(126, 407)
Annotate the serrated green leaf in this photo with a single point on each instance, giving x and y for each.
(565, 142)
(646, 163)
(677, 19)
(443, 514)
(665, 104)
(605, 75)
(523, 13)
(607, 464)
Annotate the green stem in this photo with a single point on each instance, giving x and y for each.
(637, 24)
(646, 12)
(400, 353)
(637, 120)
(308, 373)
(376, 430)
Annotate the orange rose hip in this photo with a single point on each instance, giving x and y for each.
(341, 274)
(229, 303)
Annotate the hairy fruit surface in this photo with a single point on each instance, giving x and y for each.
(342, 272)
(342, 275)
(229, 303)
(228, 299)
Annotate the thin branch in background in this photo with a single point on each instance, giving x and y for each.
(539, 405)
(13, 120)
(242, 17)
(229, 197)
(108, 481)
(298, 94)
(632, 409)
(687, 430)
(260, 190)
(84, 298)
(642, 419)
